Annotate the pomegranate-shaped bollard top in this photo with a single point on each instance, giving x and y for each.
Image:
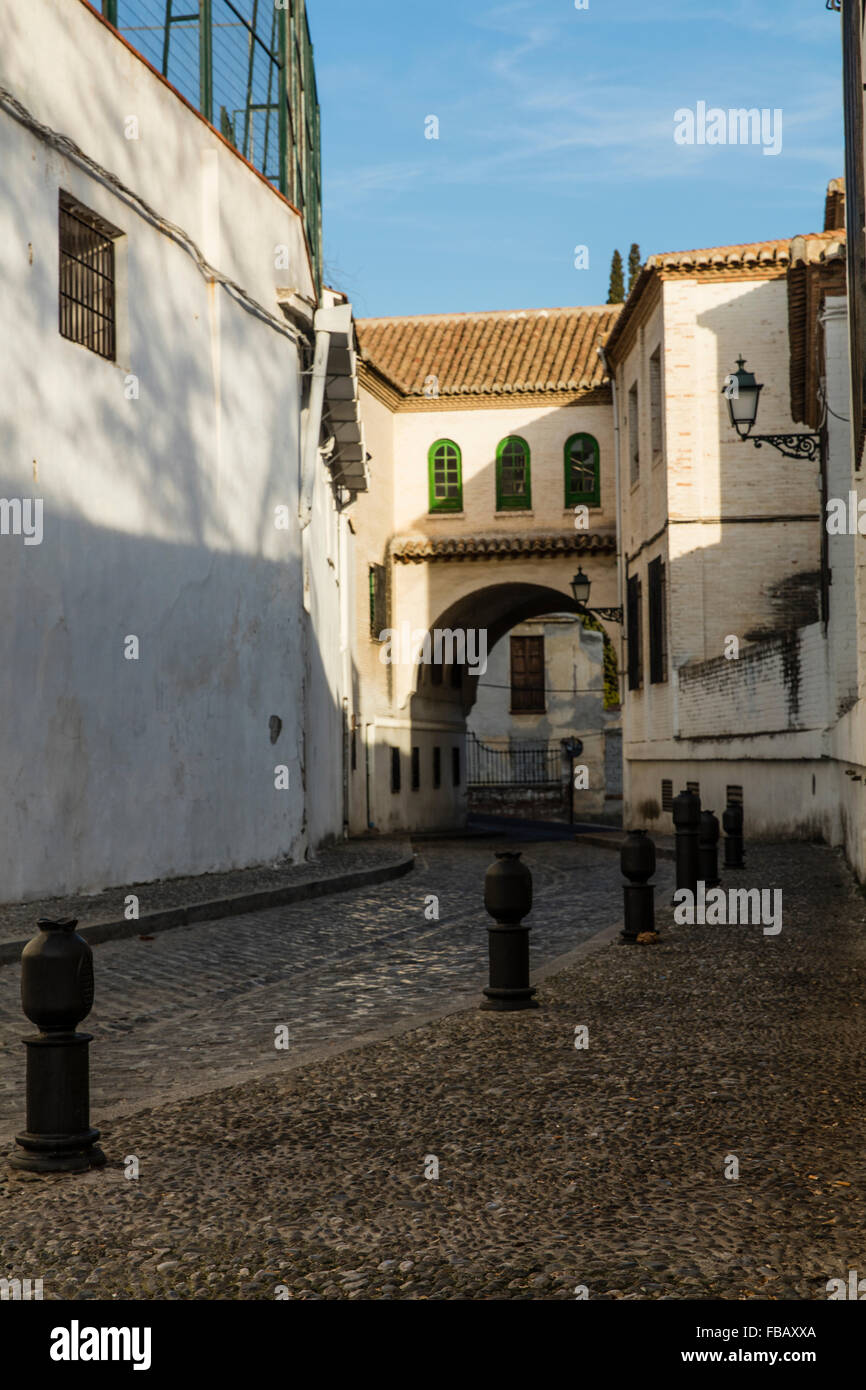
(57, 977)
(732, 818)
(638, 857)
(709, 832)
(508, 888)
(687, 811)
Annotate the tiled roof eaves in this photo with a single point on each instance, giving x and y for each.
(415, 550)
(491, 354)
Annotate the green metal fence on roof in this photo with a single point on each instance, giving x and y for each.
(247, 65)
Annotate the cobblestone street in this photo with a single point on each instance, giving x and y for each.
(197, 1007)
(558, 1167)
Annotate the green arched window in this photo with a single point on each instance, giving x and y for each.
(445, 469)
(582, 471)
(513, 482)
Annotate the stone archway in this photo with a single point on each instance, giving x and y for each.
(439, 700)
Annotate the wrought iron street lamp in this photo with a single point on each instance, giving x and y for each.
(743, 394)
(580, 587)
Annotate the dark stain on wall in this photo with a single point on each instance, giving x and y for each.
(795, 602)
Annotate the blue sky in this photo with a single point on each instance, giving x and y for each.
(556, 130)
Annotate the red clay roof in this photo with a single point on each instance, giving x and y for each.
(490, 353)
(751, 253)
(411, 549)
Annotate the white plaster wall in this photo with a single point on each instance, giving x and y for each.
(783, 798)
(158, 512)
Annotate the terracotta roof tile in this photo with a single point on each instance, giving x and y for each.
(775, 252)
(407, 550)
(479, 354)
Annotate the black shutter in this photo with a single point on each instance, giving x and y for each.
(635, 637)
(657, 643)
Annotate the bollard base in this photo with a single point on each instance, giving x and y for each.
(59, 1137)
(68, 1153)
(509, 1000)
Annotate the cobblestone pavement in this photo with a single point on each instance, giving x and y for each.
(559, 1167)
(198, 1006)
(18, 920)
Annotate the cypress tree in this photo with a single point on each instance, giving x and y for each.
(616, 293)
(633, 264)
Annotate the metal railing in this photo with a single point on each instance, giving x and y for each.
(513, 764)
(247, 65)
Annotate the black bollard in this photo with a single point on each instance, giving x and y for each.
(638, 864)
(508, 899)
(708, 849)
(687, 822)
(732, 820)
(56, 994)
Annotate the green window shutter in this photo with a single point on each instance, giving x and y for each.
(513, 479)
(445, 470)
(582, 471)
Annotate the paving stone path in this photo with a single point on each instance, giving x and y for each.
(558, 1169)
(198, 1006)
(18, 920)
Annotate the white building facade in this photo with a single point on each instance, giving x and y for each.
(176, 643)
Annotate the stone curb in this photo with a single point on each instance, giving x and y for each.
(234, 906)
(608, 842)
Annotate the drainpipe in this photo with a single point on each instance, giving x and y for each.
(619, 565)
(620, 577)
(310, 449)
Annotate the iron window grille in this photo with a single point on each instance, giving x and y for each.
(87, 282)
(635, 633)
(455, 766)
(445, 469)
(395, 769)
(437, 768)
(657, 622)
(667, 794)
(513, 480)
(416, 769)
(582, 471)
(734, 796)
(378, 601)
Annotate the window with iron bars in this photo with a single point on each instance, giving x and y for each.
(87, 290)
(378, 602)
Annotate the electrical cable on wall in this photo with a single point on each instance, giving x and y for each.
(13, 107)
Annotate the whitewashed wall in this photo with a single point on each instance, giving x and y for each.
(158, 511)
